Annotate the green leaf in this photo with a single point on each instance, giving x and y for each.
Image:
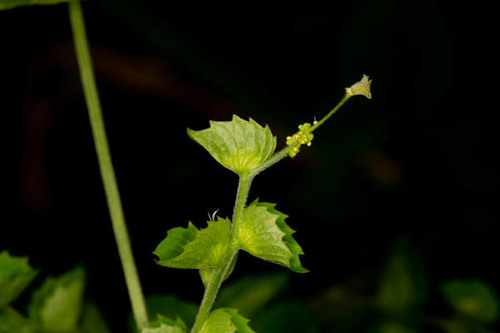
(13, 321)
(265, 234)
(239, 145)
(226, 320)
(193, 248)
(251, 293)
(8, 4)
(403, 286)
(165, 325)
(15, 275)
(93, 321)
(472, 299)
(57, 305)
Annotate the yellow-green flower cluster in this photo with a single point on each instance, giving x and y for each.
(303, 137)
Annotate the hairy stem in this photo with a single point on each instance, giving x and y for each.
(220, 272)
(105, 164)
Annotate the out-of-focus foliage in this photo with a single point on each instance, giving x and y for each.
(15, 275)
(252, 293)
(8, 4)
(403, 286)
(472, 299)
(58, 305)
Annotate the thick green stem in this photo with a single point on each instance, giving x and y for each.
(105, 164)
(220, 272)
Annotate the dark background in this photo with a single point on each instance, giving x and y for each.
(417, 161)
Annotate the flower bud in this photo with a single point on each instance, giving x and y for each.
(360, 88)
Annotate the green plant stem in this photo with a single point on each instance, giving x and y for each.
(105, 164)
(221, 271)
(335, 109)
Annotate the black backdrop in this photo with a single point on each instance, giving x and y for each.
(418, 160)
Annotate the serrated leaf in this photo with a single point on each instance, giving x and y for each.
(57, 305)
(265, 234)
(226, 320)
(239, 145)
(473, 299)
(193, 248)
(8, 4)
(165, 325)
(15, 275)
(173, 245)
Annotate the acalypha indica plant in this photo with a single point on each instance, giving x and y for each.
(246, 148)
(259, 228)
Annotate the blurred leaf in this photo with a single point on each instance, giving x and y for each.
(251, 293)
(12, 321)
(344, 308)
(172, 307)
(226, 320)
(287, 317)
(57, 305)
(15, 275)
(8, 4)
(93, 321)
(265, 234)
(193, 248)
(239, 145)
(452, 326)
(394, 327)
(165, 325)
(403, 284)
(472, 299)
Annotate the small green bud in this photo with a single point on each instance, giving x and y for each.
(360, 88)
